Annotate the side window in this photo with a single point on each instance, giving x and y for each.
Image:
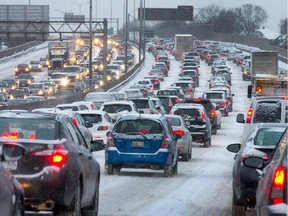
(73, 133)
(169, 127)
(107, 117)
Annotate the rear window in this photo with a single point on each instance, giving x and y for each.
(213, 95)
(187, 112)
(143, 82)
(268, 136)
(72, 108)
(268, 111)
(28, 128)
(93, 118)
(166, 92)
(174, 121)
(114, 108)
(141, 104)
(145, 126)
(182, 85)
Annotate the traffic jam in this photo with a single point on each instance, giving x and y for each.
(199, 129)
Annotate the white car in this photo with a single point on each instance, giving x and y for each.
(72, 107)
(89, 104)
(116, 108)
(148, 83)
(101, 121)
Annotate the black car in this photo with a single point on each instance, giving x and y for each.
(20, 92)
(261, 143)
(210, 110)
(24, 80)
(58, 171)
(11, 192)
(271, 194)
(246, 74)
(197, 121)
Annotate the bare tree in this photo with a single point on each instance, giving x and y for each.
(249, 19)
(225, 21)
(206, 15)
(283, 26)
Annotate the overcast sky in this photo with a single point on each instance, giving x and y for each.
(276, 9)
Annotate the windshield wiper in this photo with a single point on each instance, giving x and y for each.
(136, 133)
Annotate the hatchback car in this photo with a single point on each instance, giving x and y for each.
(101, 121)
(219, 98)
(261, 143)
(197, 121)
(22, 68)
(58, 171)
(144, 105)
(142, 141)
(184, 145)
(271, 194)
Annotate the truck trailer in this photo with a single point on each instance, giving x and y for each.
(183, 43)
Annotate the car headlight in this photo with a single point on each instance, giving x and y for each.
(30, 66)
(16, 69)
(26, 69)
(109, 78)
(77, 76)
(11, 97)
(29, 81)
(96, 86)
(40, 92)
(101, 83)
(64, 82)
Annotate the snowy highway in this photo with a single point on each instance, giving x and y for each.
(203, 186)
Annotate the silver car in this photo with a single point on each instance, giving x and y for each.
(184, 145)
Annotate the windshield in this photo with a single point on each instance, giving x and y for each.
(115, 108)
(214, 96)
(93, 118)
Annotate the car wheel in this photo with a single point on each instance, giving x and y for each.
(219, 126)
(175, 168)
(168, 170)
(214, 131)
(20, 208)
(77, 202)
(93, 209)
(237, 210)
(190, 152)
(207, 143)
(230, 108)
(185, 157)
(109, 169)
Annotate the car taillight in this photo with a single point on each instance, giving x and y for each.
(151, 86)
(180, 132)
(228, 86)
(56, 157)
(75, 122)
(212, 113)
(92, 106)
(145, 90)
(226, 102)
(278, 185)
(259, 89)
(203, 117)
(110, 140)
(176, 100)
(190, 90)
(197, 78)
(165, 143)
(249, 116)
(105, 127)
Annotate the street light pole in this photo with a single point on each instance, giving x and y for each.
(90, 47)
(126, 37)
(80, 5)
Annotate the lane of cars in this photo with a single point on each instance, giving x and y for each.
(143, 140)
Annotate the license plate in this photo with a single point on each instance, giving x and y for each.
(187, 123)
(10, 165)
(137, 143)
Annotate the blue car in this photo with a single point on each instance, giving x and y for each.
(142, 141)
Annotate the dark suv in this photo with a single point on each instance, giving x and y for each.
(197, 121)
(211, 112)
(58, 171)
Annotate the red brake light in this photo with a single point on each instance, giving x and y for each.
(176, 100)
(74, 122)
(56, 157)
(14, 135)
(279, 179)
(110, 140)
(249, 116)
(165, 143)
(212, 113)
(203, 117)
(190, 90)
(180, 132)
(285, 97)
(259, 89)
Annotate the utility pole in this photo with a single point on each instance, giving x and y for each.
(126, 37)
(90, 47)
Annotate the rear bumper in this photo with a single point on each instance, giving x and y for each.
(115, 157)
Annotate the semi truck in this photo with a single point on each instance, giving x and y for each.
(265, 80)
(60, 53)
(183, 43)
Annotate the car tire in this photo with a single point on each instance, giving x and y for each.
(185, 157)
(237, 210)
(219, 126)
(109, 169)
(214, 131)
(230, 108)
(93, 209)
(20, 208)
(175, 168)
(168, 170)
(190, 152)
(207, 143)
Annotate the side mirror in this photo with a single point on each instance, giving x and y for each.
(88, 124)
(11, 152)
(235, 147)
(233, 95)
(254, 162)
(240, 118)
(97, 146)
(178, 136)
(249, 91)
(108, 133)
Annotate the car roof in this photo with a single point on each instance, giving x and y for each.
(118, 102)
(25, 114)
(142, 116)
(91, 112)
